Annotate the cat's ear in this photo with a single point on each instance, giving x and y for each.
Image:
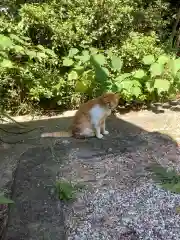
(104, 97)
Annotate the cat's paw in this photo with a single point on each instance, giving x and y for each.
(100, 136)
(105, 132)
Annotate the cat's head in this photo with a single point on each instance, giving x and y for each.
(110, 100)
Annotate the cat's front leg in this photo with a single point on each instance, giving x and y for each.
(98, 131)
(103, 128)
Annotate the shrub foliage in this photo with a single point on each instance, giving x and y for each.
(57, 53)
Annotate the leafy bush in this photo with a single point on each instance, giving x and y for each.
(137, 46)
(40, 63)
(95, 72)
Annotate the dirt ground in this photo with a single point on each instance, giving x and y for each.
(29, 170)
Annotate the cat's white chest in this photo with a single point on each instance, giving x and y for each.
(97, 113)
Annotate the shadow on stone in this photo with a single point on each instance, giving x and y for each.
(37, 213)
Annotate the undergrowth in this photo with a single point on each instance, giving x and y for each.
(67, 191)
(167, 179)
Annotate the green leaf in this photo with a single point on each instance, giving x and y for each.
(5, 42)
(19, 49)
(99, 59)
(156, 69)
(162, 85)
(136, 83)
(68, 62)
(81, 87)
(4, 54)
(127, 84)
(133, 87)
(41, 55)
(168, 180)
(139, 74)
(136, 91)
(31, 54)
(85, 53)
(148, 60)
(73, 52)
(72, 75)
(50, 52)
(93, 50)
(101, 73)
(110, 53)
(16, 38)
(163, 59)
(122, 77)
(175, 66)
(6, 64)
(4, 200)
(65, 190)
(89, 75)
(83, 58)
(176, 188)
(79, 69)
(116, 63)
(149, 86)
(40, 47)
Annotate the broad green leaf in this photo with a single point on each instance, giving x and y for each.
(131, 86)
(46, 50)
(101, 73)
(109, 53)
(26, 38)
(50, 52)
(122, 77)
(136, 91)
(127, 84)
(116, 63)
(73, 52)
(99, 59)
(85, 53)
(83, 58)
(176, 188)
(175, 66)
(119, 86)
(41, 55)
(6, 63)
(139, 74)
(41, 47)
(89, 75)
(68, 62)
(4, 200)
(5, 42)
(31, 54)
(148, 60)
(4, 54)
(93, 50)
(163, 59)
(156, 69)
(79, 69)
(19, 49)
(16, 38)
(149, 86)
(72, 75)
(136, 83)
(81, 87)
(162, 85)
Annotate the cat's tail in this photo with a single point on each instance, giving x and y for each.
(57, 134)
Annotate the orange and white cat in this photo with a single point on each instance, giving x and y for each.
(90, 118)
